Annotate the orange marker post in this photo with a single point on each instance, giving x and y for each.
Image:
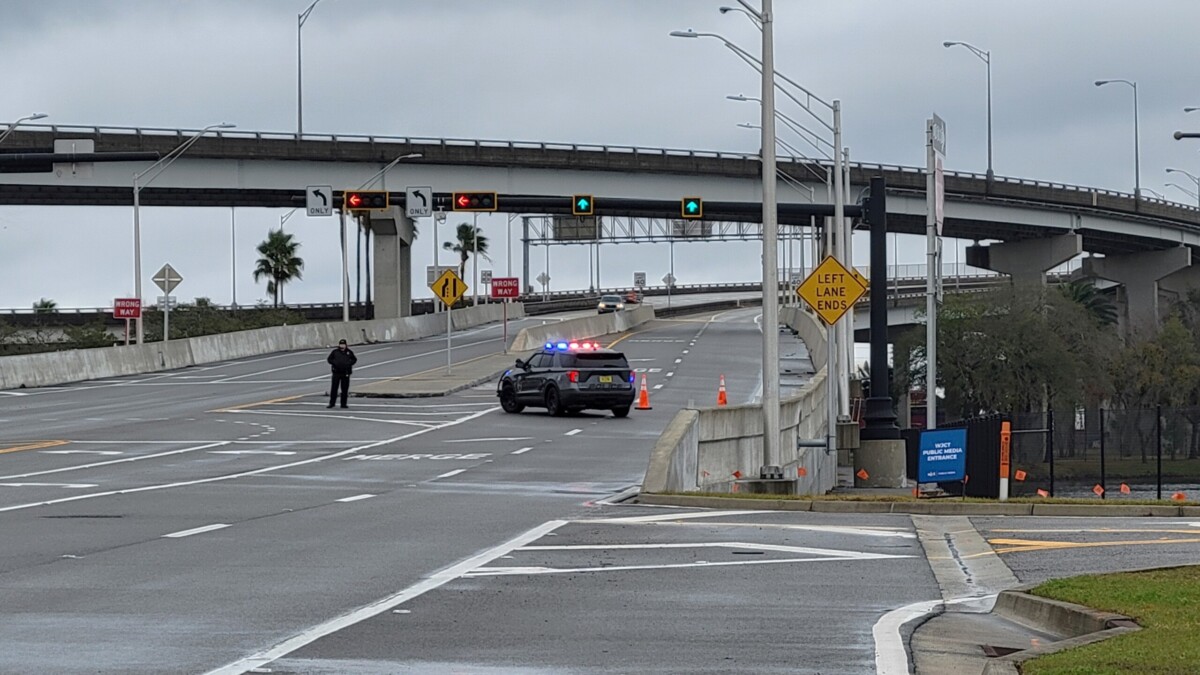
(1005, 455)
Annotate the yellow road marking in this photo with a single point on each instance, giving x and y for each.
(32, 445)
(258, 403)
(1024, 545)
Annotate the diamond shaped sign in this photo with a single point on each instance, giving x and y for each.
(831, 290)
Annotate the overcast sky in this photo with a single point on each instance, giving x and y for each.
(575, 71)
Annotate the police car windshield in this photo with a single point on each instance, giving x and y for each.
(593, 360)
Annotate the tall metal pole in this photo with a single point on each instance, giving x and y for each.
(137, 255)
(300, 19)
(770, 277)
(526, 284)
(846, 325)
(475, 256)
(345, 270)
(931, 271)
(988, 59)
(233, 251)
(880, 418)
(1137, 153)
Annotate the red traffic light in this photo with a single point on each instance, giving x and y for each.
(473, 201)
(365, 200)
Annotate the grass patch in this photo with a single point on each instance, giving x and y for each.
(908, 498)
(1164, 602)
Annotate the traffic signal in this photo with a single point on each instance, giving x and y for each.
(691, 207)
(582, 205)
(364, 200)
(473, 201)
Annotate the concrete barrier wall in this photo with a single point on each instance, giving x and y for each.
(704, 449)
(51, 368)
(533, 337)
(810, 329)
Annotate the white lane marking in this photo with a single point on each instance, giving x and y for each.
(251, 452)
(521, 451)
(206, 446)
(482, 440)
(891, 658)
(254, 411)
(380, 606)
(658, 386)
(572, 432)
(781, 548)
(81, 452)
(355, 498)
(1193, 524)
(242, 474)
(451, 473)
(508, 571)
(678, 360)
(59, 485)
(672, 516)
(671, 374)
(13, 393)
(196, 530)
(832, 529)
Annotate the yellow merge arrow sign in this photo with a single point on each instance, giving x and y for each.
(831, 290)
(449, 288)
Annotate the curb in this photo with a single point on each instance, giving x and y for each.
(919, 508)
(1084, 625)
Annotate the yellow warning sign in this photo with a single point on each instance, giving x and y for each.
(449, 288)
(831, 290)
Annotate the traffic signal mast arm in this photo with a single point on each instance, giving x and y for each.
(794, 214)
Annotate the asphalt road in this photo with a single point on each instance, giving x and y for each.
(220, 518)
(181, 521)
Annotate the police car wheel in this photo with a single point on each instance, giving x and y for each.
(553, 402)
(508, 400)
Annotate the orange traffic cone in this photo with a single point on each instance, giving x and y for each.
(722, 399)
(643, 396)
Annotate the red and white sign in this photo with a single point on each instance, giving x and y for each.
(127, 308)
(506, 287)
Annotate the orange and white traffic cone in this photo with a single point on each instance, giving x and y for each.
(643, 396)
(722, 399)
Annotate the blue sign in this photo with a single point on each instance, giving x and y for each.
(943, 456)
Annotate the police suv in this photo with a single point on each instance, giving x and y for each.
(567, 377)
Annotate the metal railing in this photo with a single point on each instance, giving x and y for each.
(570, 147)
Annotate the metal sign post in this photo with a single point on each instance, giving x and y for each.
(448, 288)
(167, 279)
(505, 289)
(935, 132)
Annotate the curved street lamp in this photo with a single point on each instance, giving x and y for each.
(12, 126)
(986, 57)
(1194, 178)
(300, 19)
(1137, 156)
(157, 167)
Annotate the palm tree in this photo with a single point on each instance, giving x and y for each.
(45, 306)
(278, 263)
(469, 242)
(1098, 305)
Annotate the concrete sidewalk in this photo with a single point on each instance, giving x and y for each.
(435, 381)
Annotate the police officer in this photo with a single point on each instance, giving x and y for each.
(342, 361)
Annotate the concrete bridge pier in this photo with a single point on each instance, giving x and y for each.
(1026, 261)
(392, 265)
(1140, 275)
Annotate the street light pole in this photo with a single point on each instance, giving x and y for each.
(161, 165)
(1194, 178)
(12, 126)
(1137, 155)
(300, 19)
(770, 289)
(986, 57)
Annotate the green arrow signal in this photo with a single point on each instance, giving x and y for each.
(582, 204)
(692, 207)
